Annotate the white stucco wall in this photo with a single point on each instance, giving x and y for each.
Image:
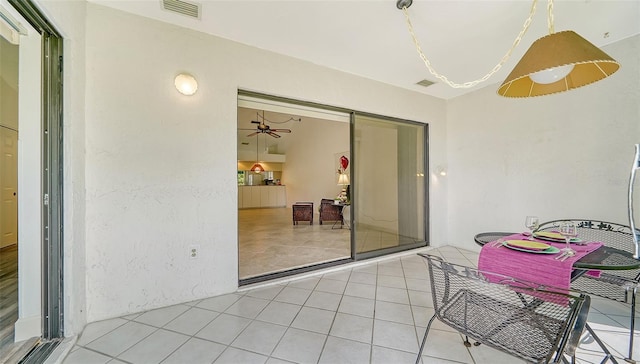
(560, 156)
(161, 168)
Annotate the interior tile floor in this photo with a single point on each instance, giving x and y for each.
(371, 312)
(269, 242)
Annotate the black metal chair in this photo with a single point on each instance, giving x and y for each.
(533, 323)
(619, 285)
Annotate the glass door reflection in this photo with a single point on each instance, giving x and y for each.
(389, 186)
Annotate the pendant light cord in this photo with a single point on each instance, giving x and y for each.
(497, 67)
(550, 17)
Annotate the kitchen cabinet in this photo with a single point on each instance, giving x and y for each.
(261, 196)
(281, 196)
(255, 199)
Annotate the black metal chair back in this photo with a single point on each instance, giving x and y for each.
(531, 322)
(619, 285)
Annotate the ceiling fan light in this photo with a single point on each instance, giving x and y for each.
(567, 48)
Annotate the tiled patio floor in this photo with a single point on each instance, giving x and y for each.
(374, 313)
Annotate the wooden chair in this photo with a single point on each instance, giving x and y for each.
(534, 323)
(302, 211)
(619, 285)
(330, 212)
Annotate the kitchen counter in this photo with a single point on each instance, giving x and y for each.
(251, 197)
(261, 185)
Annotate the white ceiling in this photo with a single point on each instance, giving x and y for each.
(463, 39)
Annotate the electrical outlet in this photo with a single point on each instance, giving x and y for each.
(194, 251)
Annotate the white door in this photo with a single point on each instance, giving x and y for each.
(8, 187)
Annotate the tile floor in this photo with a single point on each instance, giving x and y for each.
(372, 313)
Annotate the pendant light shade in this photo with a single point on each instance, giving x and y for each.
(557, 62)
(257, 168)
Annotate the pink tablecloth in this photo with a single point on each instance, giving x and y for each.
(543, 269)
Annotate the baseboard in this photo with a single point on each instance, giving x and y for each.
(28, 327)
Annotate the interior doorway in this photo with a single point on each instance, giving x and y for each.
(8, 187)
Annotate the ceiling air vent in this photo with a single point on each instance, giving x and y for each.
(189, 9)
(425, 83)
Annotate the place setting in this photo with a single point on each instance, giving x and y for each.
(547, 242)
(529, 246)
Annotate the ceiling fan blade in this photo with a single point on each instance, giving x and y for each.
(247, 129)
(281, 130)
(252, 134)
(255, 122)
(273, 134)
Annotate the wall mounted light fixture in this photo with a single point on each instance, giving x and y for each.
(186, 84)
(441, 171)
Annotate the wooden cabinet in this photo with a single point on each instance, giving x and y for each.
(261, 196)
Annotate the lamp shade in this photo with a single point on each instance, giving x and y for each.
(343, 179)
(561, 61)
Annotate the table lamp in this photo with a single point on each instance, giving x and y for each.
(343, 180)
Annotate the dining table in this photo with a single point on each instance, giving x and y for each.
(508, 253)
(603, 258)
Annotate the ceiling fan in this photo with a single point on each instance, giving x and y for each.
(265, 129)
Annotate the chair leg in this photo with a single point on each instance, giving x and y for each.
(608, 355)
(424, 339)
(633, 324)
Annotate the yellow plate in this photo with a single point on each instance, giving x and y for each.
(528, 245)
(549, 235)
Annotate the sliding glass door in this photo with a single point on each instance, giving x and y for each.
(389, 187)
(334, 186)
